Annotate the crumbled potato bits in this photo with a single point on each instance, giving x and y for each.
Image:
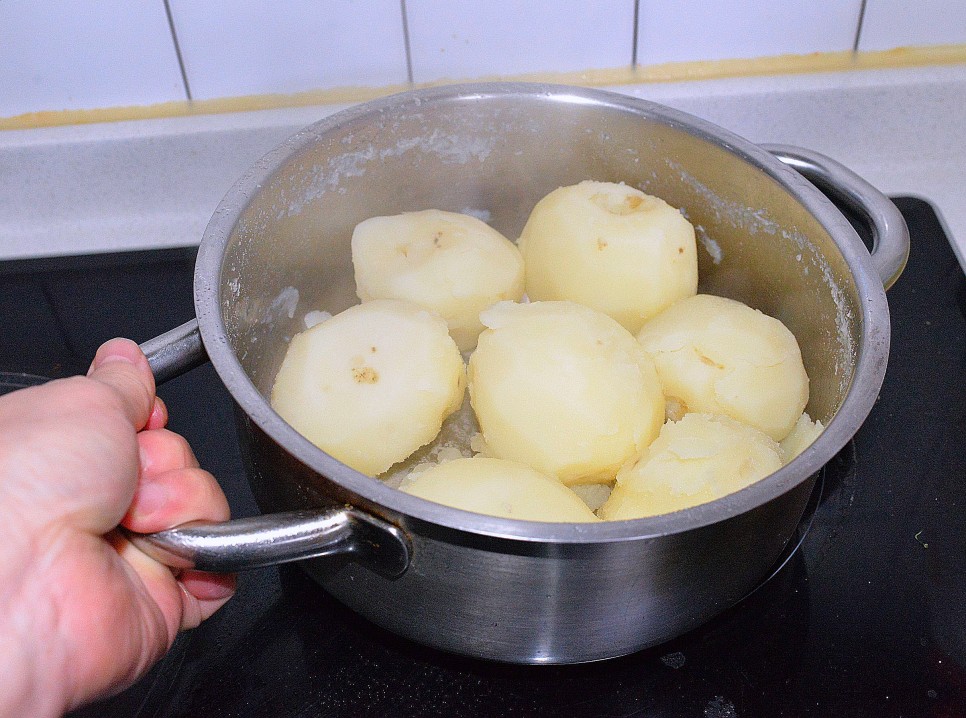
(806, 431)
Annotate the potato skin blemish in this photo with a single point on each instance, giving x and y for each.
(365, 375)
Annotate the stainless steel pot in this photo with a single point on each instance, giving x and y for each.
(278, 246)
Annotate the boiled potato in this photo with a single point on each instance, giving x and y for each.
(610, 247)
(719, 356)
(372, 384)
(564, 389)
(805, 432)
(451, 263)
(500, 488)
(695, 460)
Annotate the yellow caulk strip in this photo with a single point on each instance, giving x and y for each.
(596, 77)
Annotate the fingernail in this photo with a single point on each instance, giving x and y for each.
(159, 416)
(109, 358)
(116, 350)
(208, 586)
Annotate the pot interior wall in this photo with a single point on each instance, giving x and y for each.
(495, 157)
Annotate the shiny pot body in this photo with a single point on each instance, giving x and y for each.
(533, 601)
(278, 247)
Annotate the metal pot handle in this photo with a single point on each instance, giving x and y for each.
(890, 236)
(175, 352)
(271, 539)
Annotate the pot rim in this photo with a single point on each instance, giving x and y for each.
(871, 359)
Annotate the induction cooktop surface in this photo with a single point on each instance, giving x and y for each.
(866, 618)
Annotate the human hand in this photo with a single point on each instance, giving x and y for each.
(83, 613)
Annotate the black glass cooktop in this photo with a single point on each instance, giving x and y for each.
(868, 618)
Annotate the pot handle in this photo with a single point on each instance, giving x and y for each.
(272, 539)
(890, 236)
(175, 352)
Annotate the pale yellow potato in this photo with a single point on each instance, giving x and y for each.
(719, 356)
(805, 432)
(564, 389)
(497, 487)
(372, 384)
(695, 460)
(452, 263)
(610, 247)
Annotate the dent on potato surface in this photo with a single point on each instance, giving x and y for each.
(372, 384)
(564, 389)
(451, 263)
(719, 356)
(610, 247)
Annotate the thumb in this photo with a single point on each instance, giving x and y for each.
(121, 365)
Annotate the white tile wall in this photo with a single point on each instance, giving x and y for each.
(675, 31)
(477, 38)
(248, 47)
(900, 23)
(69, 54)
(64, 54)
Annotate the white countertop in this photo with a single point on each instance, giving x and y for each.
(155, 183)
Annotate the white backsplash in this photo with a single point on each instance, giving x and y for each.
(65, 54)
(480, 38)
(232, 48)
(675, 31)
(901, 23)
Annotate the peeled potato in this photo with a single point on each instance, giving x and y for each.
(805, 432)
(610, 247)
(719, 356)
(372, 384)
(564, 389)
(451, 263)
(500, 488)
(695, 460)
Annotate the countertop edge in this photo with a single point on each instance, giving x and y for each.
(155, 183)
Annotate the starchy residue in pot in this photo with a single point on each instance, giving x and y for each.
(710, 246)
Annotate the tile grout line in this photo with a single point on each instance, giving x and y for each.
(177, 50)
(858, 27)
(406, 43)
(634, 31)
